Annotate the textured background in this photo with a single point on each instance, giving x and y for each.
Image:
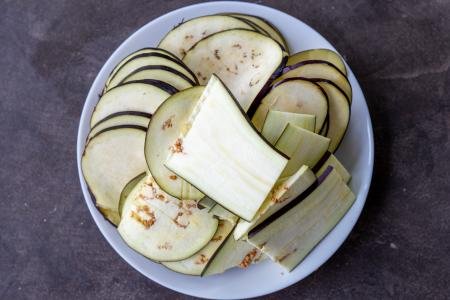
(50, 54)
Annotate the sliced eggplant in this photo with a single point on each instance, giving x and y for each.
(136, 53)
(296, 96)
(288, 239)
(164, 129)
(285, 192)
(338, 113)
(224, 156)
(162, 227)
(110, 160)
(165, 74)
(318, 55)
(266, 27)
(134, 96)
(303, 147)
(129, 187)
(245, 60)
(337, 166)
(276, 121)
(121, 118)
(180, 39)
(150, 59)
(317, 70)
(233, 253)
(195, 264)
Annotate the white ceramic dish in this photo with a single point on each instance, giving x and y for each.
(356, 153)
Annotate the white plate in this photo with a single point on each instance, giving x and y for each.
(356, 153)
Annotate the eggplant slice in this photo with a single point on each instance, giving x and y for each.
(133, 96)
(162, 227)
(110, 160)
(180, 39)
(245, 60)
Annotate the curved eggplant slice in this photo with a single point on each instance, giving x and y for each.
(149, 59)
(313, 69)
(121, 118)
(245, 60)
(180, 39)
(129, 97)
(318, 54)
(266, 27)
(110, 160)
(136, 53)
(164, 129)
(162, 227)
(170, 76)
(296, 96)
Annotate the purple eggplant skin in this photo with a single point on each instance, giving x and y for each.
(266, 88)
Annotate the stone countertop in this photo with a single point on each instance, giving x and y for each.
(51, 52)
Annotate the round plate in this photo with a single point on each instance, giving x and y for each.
(356, 153)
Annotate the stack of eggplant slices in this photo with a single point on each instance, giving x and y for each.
(215, 149)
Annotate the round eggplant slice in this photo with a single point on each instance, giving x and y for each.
(162, 227)
(129, 97)
(296, 96)
(180, 39)
(110, 160)
(244, 60)
(164, 129)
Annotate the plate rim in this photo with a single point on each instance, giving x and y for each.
(81, 144)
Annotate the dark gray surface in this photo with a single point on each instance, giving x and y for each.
(52, 50)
